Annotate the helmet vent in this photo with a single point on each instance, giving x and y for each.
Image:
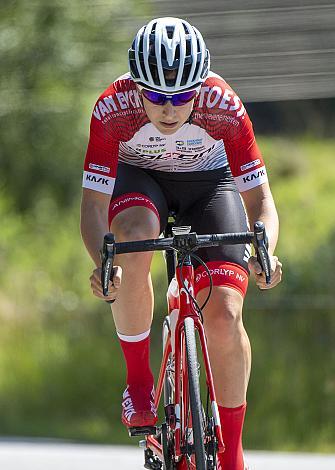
(188, 48)
(170, 31)
(177, 53)
(140, 47)
(163, 53)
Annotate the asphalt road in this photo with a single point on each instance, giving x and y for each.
(32, 455)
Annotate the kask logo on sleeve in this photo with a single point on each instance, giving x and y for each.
(252, 179)
(103, 184)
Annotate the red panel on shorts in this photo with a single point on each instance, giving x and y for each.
(223, 274)
(130, 200)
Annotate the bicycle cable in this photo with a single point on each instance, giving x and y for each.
(195, 303)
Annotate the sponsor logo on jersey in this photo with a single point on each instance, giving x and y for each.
(196, 149)
(190, 145)
(153, 151)
(132, 199)
(121, 101)
(220, 272)
(251, 179)
(190, 156)
(103, 184)
(249, 165)
(104, 169)
(194, 142)
(254, 176)
(217, 117)
(157, 139)
(151, 146)
(97, 179)
(221, 99)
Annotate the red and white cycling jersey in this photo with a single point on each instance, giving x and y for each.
(218, 133)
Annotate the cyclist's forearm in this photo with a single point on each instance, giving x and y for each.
(265, 210)
(268, 215)
(93, 225)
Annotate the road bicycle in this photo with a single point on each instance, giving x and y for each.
(190, 435)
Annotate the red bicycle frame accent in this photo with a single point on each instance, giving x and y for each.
(183, 305)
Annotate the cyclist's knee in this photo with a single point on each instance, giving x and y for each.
(223, 315)
(135, 223)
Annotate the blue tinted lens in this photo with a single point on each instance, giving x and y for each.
(177, 100)
(154, 97)
(182, 98)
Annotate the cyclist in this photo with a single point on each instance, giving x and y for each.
(172, 135)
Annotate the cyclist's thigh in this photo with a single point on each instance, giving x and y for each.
(221, 211)
(135, 188)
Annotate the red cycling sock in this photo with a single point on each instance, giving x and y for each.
(232, 425)
(137, 356)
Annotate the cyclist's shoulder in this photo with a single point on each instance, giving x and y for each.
(218, 102)
(119, 100)
(123, 83)
(216, 81)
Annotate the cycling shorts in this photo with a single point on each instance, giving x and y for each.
(208, 201)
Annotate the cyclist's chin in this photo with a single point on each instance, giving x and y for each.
(168, 128)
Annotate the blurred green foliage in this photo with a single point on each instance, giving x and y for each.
(61, 370)
(56, 57)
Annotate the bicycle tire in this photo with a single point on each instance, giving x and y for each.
(194, 395)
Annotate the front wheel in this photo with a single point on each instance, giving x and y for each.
(194, 394)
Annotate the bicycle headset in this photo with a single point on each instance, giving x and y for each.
(165, 45)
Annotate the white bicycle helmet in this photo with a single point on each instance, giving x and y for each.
(165, 45)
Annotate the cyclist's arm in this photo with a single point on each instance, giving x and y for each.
(260, 205)
(98, 181)
(94, 221)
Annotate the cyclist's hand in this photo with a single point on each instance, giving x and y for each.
(113, 285)
(276, 272)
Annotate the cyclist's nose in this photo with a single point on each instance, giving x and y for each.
(169, 110)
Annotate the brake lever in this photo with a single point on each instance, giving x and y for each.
(261, 244)
(107, 259)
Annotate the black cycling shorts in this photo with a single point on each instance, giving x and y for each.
(208, 201)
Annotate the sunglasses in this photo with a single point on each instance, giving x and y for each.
(178, 99)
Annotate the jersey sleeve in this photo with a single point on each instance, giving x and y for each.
(101, 159)
(227, 119)
(244, 157)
